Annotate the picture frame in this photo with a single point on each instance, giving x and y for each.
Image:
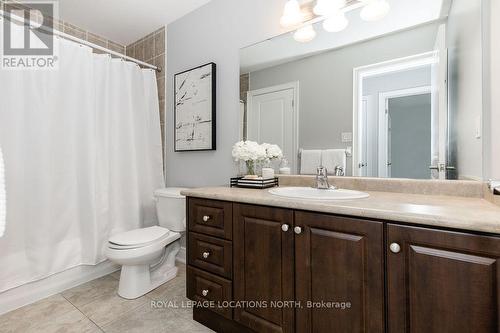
(195, 109)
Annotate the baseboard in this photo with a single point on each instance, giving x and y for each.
(31, 292)
(181, 256)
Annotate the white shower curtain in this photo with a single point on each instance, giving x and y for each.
(82, 152)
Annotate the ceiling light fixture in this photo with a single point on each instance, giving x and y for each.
(327, 7)
(332, 13)
(336, 22)
(292, 14)
(305, 34)
(375, 10)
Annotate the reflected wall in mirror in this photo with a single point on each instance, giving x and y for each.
(400, 97)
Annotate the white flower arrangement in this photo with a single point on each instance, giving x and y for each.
(273, 152)
(251, 152)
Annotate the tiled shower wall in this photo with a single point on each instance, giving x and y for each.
(151, 49)
(75, 31)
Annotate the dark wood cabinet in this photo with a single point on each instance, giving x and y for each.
(349, 274)
(211, 254)
(263, 267)
(442, 281)
(210, 217)
(339, 274)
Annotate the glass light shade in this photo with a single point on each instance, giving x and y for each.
(305, 34)
(336, 22)
(326, 7)
(292, 15)
(375, 10)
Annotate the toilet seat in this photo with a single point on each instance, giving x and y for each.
(138, 238)
(116, 252)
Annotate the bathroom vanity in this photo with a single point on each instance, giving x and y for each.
(393, 262)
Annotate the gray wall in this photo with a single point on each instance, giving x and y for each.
(326, 80)
(214, 32)
(464, 41)
(411, 136)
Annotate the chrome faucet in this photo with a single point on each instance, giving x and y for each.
(322, 178)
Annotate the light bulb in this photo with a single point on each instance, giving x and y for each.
(326, 7)
(292, 15)
(305, 34)
(336, 22)
(375, 10)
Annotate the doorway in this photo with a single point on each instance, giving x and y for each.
(375, 86)
(405, 133)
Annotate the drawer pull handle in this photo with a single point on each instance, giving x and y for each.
(206, 218)
(285, 227)
(297, 230)
(395, 248)
(204, 292)
(206, 255)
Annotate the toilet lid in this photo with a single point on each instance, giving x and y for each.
(139, 236)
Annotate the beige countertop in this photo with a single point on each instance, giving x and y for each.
(473, 214)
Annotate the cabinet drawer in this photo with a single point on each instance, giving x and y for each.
(211, 254)
(211, 217)
(203, 286)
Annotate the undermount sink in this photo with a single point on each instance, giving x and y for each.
(310, 193)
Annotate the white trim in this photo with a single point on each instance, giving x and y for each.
(296, 111)
(363, 72)
(383, 99)
(34, 291)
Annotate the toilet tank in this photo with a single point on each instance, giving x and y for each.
(171, 208)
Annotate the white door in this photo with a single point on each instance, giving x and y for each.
(363, 138)
(389, 146)
(272, 118)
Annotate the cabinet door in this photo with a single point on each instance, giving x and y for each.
(442, 281)
(263, 267)
(339, 261)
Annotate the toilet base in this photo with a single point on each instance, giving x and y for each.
(138, 280)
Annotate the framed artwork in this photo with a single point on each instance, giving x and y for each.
(194, 109)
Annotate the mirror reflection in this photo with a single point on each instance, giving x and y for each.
(400, 97)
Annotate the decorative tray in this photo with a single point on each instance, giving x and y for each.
(258, 183)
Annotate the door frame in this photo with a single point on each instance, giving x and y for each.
(294, 85)
(383, 125)
(385, 67)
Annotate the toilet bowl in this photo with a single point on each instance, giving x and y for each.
(147, 255)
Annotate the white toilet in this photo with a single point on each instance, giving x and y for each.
(148, 255)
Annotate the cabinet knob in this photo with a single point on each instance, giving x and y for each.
(297, 230)
(206, 218)
(395, 248)
(204, 292)
(285, 227)
(206, 255)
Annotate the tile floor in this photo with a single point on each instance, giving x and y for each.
(95, 307)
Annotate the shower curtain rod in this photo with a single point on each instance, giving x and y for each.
(80, 41)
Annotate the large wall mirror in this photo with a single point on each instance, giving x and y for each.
(400, 97)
